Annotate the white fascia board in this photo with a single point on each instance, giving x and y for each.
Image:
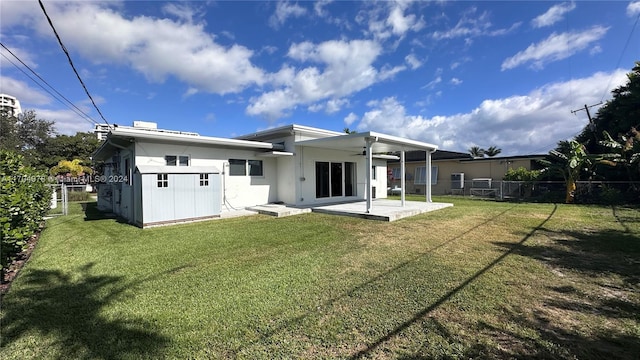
(193, 139)
(290, 130)
(390, 139)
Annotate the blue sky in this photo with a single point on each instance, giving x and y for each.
(456, 74)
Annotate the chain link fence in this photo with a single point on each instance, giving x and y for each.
(587, 192)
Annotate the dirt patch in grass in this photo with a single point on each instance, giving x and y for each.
(11, 272)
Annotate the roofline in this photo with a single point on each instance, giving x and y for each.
(197, 139)
(534, 156)
(290, 130)
(124, 133)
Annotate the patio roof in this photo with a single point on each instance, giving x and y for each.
(369, 143)
(357, 142)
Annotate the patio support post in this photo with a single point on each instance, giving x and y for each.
(428, 176)
(368, 184)
(402, 170)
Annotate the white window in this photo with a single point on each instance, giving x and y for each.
(421, 177)
(255, 167)
(204, 179)
(241, 167)
(163, 180)
(175, 160)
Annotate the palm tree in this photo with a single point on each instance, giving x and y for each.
(570, 161)
(492, 151)
(476, 152)
(624, 152)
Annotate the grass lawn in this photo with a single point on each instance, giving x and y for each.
(481, 279)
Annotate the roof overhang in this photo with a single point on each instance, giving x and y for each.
(274, 154)
(123, 137)
(380, 143)
(163, 169)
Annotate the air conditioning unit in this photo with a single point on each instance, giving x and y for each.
(457, 181)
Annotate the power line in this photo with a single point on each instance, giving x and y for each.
(64, 49)
(77, 110)
(624, 49)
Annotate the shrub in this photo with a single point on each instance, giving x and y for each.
(78, 196)
(521, 174)
(24, 200)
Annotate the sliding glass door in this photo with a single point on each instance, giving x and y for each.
(335, 179)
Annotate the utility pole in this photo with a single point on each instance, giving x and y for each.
(592, 125)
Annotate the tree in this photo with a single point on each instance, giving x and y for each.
(492, 151)
(73, 168)
(348, 131)
(570, 162)
(63, 147)
(624, 153)
(476, 151)
(24, 134)
(616, 117)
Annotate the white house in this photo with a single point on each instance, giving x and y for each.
(154, 177)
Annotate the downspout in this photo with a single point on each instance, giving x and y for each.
(402, 170)
(428, 173)
(369, 186)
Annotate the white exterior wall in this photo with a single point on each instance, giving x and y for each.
(237, 191)
(307, 157)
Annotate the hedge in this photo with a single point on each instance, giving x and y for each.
(24, 200)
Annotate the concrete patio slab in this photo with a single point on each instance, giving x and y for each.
(381, 209)
(278, 210)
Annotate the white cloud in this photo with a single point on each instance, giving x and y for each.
(285, 10)
(21, 90)
(555, 47)
(21, 54)
(519, 124)
(66, 122)
(455, 81)
(181, 11)
(350, 119)
(633, 8)
(390, 19)
(318, 7)
(432, 84)
(413, 61)
(340, 68)
(472, 25)
(157, 48)
(553, 15)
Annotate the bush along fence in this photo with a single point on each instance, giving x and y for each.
(586, 192)
(24, 200)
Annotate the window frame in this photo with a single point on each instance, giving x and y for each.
(204, 179)
(421, 175)
(234, 167)
(162, 181)
(177, 160)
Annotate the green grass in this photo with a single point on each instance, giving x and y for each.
(482, 279)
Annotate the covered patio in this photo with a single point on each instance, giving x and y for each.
(381, 146)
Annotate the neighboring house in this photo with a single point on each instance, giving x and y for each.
(155, 176)
(447, 167)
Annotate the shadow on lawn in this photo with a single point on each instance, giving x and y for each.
(424, 312)
(588, 252)
(53, 305)
(92, 213)
(299, 319)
